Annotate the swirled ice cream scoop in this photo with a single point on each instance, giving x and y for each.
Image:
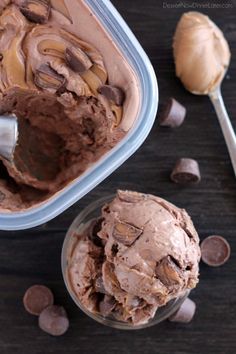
(201, 53)
(68, 95)
(145, 254)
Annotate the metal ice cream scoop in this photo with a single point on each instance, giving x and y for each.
(8, 136)
(31, 154)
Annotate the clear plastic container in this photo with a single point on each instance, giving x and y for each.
(82, 221)
(129, 47)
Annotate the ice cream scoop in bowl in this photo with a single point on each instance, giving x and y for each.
(123, 277)
(202, 57)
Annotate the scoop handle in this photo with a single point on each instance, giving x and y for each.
(225, 123)
(8, 136)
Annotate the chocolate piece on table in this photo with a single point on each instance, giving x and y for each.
(186, 171)
(215, 250)
(113, 93)
(126, 233)
(36, 10)
(107, 305)
(77, 60)
(53, 320)
(47, 78)
(37, 298)
(173, 114)
(185, 313)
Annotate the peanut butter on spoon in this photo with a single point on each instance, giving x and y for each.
(202, 57)
(201, 53)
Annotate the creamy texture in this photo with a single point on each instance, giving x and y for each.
(64, 123)
(146, 253)
(201, 53)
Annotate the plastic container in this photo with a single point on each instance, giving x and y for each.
(82, 221)
(131, 50)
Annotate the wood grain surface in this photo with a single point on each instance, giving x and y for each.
(33, 256)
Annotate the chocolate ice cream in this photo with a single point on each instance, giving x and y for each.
(70, 89)
(142, 253)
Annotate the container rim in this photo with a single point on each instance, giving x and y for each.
(129, 46)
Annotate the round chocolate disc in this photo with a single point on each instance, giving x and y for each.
(215, 250)
(53, 320)
(37, 298)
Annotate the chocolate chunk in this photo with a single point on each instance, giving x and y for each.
(185, 313)
(47, 78)
(99, 285)
(36, 10)
(112, 93)
(2, 196)
(37, 298)
(134, 302)
(107, 305)
(53, 320)
(186, 171)
(168, 272)
(77, 60)
(93, 230)
(215, 250)
(173, 114)
(126, 233)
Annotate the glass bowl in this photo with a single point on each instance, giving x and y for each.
(91, 212)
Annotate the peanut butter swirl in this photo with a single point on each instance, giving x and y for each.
(26, 46)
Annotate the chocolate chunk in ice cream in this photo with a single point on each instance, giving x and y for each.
(99, 285)
(47, 78)
(112, 93)
(149, 255)
(126, 233)
(77, 59)
(107, 305)
(36, 10)
(2, 196)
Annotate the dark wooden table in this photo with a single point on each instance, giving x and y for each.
(33, 256)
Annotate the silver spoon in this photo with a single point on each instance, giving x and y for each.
(8, 136)
(225, 123)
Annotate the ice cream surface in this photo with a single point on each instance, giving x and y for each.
(71, 90)
(141, 254)
(201, 53)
